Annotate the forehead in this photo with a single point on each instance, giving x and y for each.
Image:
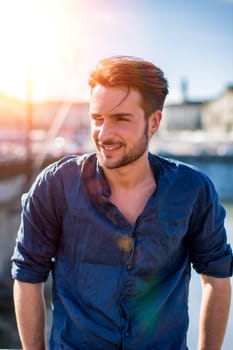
(107, 99)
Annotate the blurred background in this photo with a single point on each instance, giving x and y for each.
(47, 49)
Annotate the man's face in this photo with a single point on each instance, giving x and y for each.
(119, 129)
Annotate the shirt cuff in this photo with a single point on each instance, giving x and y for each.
(222, 267)
(24, 274)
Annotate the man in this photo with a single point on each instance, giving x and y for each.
(119, 230)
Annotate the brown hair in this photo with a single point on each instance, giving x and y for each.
(133, 72)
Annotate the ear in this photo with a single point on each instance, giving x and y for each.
(154, 121)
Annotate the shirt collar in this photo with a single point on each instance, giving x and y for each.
(96, 181)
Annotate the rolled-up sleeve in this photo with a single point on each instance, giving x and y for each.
(38, 233)
(209, 251)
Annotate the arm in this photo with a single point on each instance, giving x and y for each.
(216, 294)
(30, 314)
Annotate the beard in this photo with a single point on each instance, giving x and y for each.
(130, 156)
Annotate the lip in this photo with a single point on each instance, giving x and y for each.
(110, 148)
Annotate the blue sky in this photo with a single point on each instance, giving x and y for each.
(61, 40)
(190, 39)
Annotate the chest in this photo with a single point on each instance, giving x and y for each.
(132, 203)
(104, 239)
(97, 234)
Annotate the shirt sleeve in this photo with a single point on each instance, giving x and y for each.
(209, 251)
(38, 233)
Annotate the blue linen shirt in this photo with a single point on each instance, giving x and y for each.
(117, 285)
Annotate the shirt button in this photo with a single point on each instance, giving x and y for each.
(129, 267)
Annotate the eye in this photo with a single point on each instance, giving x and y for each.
(96, 118)
(123, 119)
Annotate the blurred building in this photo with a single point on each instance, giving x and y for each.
(197, 127)
(214, 115)
(217, 113)
(186, 115)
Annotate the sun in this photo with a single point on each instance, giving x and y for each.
(33, 46)
(53, 44)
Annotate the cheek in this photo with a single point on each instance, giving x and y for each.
(94, 132)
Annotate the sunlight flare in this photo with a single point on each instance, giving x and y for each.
(33, 40)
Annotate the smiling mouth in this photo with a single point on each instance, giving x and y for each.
(110, 147)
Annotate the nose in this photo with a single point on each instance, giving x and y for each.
(105, 130)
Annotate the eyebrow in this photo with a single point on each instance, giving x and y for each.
(113, 115)
(123, 114)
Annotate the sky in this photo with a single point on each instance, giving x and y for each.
(53, 44)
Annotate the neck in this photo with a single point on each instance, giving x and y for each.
(131, 175)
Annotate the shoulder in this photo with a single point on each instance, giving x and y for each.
(183, 178)
(69, 163)
(63, 172)
(67, 166)
(180, 170)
